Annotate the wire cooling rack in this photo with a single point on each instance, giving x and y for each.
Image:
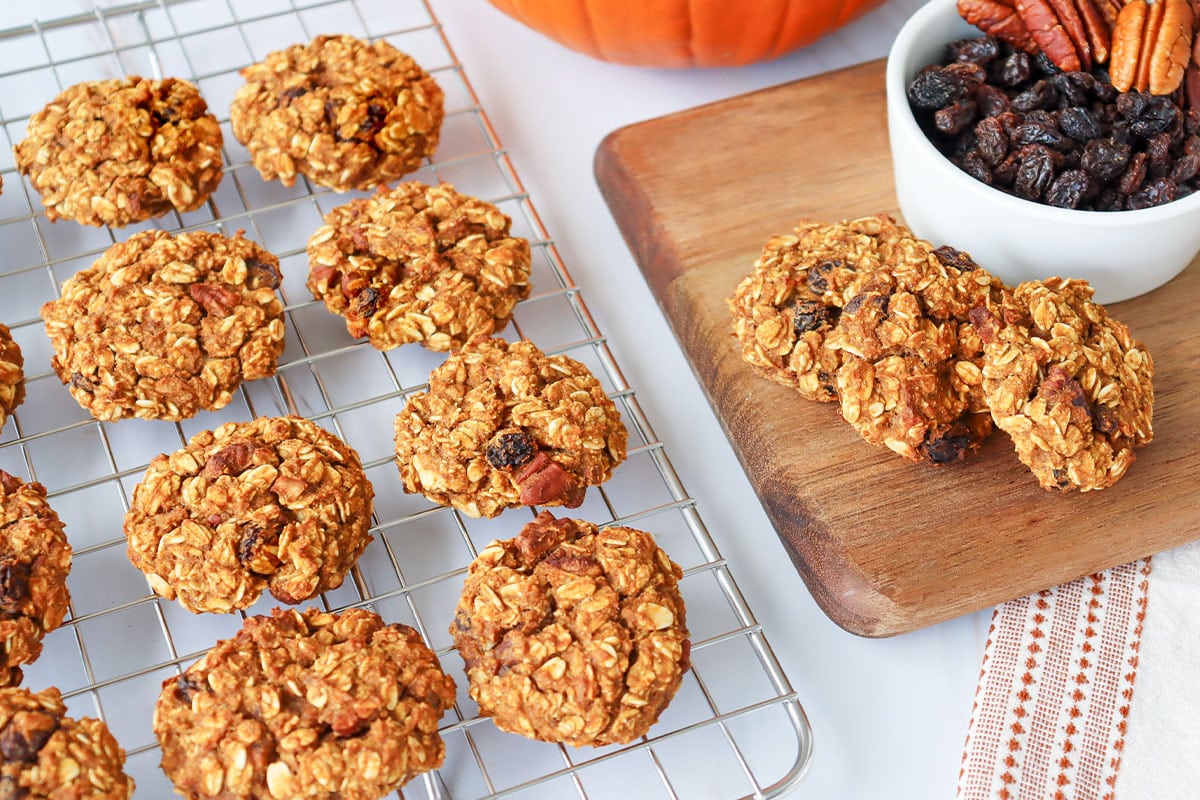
(735, 729)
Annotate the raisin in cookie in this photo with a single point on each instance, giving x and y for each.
(346, 113)
(35, 559)
(161, 326)
(118, 151)
(311, 704)
(784, 309)
(50, 755)
(504, 425)
(573, 634)
(910, 376)
(278, 504)
(419, 263)
(12, 375)
(1068, 383)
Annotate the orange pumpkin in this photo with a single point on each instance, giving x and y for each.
(685, 33)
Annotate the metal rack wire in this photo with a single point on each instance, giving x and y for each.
(736, 727)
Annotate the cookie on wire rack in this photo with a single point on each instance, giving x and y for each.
(572, 633)
(278, 504)
(48, 754)
(419, 263)
(115, 152)
(305, 704)
(163, 326)
(503, 425)
(346, 113)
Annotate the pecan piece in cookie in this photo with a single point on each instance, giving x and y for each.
(572, 633)
(504, 425)
(278, 504)
(305, 704)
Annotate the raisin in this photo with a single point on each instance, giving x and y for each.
(294, 92)
(811, 315)
(1186, 168)
(977, 50)
(1041, 95)
(1158, 155)
(262, 274)
(948, 448)
(1069, 189)
(1040, 133)
(1147, 114)
(955, 117)
(366, 302)
(939, 87)
(1006, 171)
(1134, 174)
(25, 735)
(1070, 92)
(991, 141)
(1043, 64)
(1153, 193)
(818, 276)
(1014, 70)
(952, 257)
(1035, 172)
(991, 101)
(511, 449)
(1105, 159)
(1078, 123)
(14, 586)
(974, 165)
(187, 686)
(1104, 419)
(11, 790)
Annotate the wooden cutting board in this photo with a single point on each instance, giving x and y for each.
(885, 546)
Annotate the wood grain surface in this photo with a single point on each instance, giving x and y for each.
(884, 545)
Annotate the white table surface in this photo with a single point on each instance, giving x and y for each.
(889, 716)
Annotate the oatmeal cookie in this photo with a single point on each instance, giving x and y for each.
(785, 308)
(278, 504)
(504, 425)
(346, 113)
(118, 151)
(1068, 383)
(910, 377)
(419, 264)
(310, 704)
(161, 326)
(50, 755)
(12, 374)
(35, 559)
(573, 634)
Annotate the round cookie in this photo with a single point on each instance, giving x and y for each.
(504, 425)
(346, 113)
(50, 755)
(278, 504)
(35, 559)
(119, 151)
(305, 704)
(573, 634)
(421, 264)
(12, 374)
(910, 376)
(784, 309)
(161, 326)
(1068, 383)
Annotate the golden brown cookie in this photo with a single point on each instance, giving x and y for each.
(161, 326)
(421, 264)
(314, 705)
(118, 151)
(50, 755)
(784, 309)
(346, 113)
(573, 634)
(12, 375)
(504, 425)
(278, 504)
(1068, 383)
(910, 375)
(35, 559)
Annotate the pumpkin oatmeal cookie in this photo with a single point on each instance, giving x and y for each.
(12, 374)
(785, 308)
(421, 264)
(50, 755)
(305, 704)
(573, 634)
(1068, 383)
(278, 504)
(504, 425)
(346, 113)
(161, 326)
(119, 151)
(910, 376)
(35, 559)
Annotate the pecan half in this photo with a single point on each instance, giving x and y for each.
(216, 299)
(1058, 31)
(1151, 46)
(998, 18)
(543, 480)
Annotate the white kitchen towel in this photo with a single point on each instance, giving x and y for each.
(1090, 690)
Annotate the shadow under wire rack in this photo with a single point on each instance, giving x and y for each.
(735, 729)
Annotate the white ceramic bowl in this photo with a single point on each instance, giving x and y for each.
(1122, 253)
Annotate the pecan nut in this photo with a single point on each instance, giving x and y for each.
(1151, 46)
(217, 300)
(1056, 27)
(998, 18)
(544, 480)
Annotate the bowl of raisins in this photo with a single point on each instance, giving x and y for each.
(1035, 171)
